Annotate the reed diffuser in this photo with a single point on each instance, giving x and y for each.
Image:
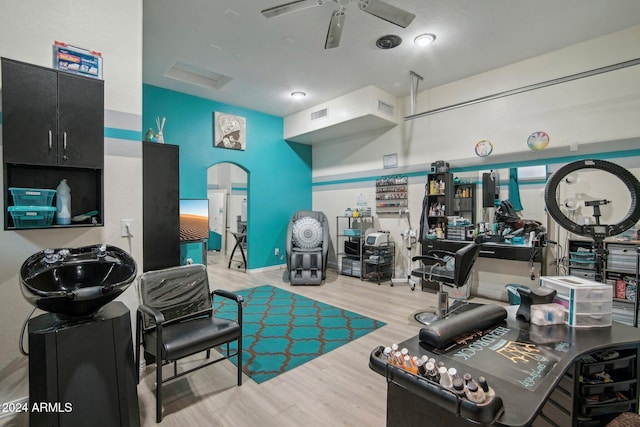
(160, 123)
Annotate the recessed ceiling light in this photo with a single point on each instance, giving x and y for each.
(424, 39)
(298, 94)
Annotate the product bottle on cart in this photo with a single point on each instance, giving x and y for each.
(63, 203)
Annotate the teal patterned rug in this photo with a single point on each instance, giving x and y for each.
(283, 330)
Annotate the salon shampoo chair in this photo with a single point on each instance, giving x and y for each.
(448, 269)
(307, 247)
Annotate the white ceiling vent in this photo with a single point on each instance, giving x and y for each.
(315, 115)
(197, 76)
(366, 111)
(385, 108)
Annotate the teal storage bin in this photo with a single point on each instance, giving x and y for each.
(32, 196)
(32, 216)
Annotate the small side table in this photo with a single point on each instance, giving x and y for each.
(241, 239)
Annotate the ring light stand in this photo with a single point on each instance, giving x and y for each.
(598, 232)
(409, 238)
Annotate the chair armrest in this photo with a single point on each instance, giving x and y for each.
(424, 258)
(229, 295)
(439, 253)
(156, 315)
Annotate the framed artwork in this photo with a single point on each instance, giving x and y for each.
(229, 131)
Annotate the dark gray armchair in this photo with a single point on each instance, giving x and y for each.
(175, 320)
(307, 247)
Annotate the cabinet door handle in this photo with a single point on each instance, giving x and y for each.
(64, 146)
(50, 140)
(488, 252)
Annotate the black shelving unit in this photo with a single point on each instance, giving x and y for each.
(439, 192)
(349, 243)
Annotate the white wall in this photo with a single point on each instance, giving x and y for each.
(591, 111)
(28, 29)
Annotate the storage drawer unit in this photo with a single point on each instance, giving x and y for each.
(622, 257)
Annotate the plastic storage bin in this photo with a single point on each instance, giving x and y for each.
(32, 216)
(587, 303)
(32, 196)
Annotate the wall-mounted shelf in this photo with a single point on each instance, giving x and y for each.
(392, 194)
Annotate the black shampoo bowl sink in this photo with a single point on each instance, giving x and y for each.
(76, 282)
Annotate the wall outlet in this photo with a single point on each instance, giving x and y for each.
(276, 251)
(126, 228)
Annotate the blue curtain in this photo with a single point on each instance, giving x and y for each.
(514, 189)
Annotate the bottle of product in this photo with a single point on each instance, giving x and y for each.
(445, 378)
(63, 203)
(407, 364)
(457, 384)
(489, 393)
(432, 372)
(474, 393)
(386, 354)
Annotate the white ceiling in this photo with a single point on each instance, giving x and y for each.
(267, 59)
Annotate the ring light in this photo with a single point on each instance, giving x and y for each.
(596, 231)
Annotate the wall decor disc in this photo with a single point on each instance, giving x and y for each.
(538, 141)
(484, 148)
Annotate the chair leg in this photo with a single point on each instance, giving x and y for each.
(158, 390)
(137, 348)
(239, 359)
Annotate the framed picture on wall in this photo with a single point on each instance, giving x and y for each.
(229, 131)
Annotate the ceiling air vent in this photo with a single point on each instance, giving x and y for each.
(385, 108)
(319, 114)
(197, 76)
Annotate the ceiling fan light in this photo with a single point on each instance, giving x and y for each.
(424, 39)
(298, 94)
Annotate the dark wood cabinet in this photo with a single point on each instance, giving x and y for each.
(161, 205)
(53, 128)
(51, 118)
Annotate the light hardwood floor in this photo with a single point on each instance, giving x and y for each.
(337, 388)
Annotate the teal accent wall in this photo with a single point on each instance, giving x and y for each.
(279, 172)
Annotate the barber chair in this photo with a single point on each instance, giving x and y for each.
(175, 320)
(307, 247)
(448, 269)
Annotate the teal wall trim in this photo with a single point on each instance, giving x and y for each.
(279, 173)
(130, 135)
(506, 165)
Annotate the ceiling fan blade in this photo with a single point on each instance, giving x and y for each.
(335, 29)
(293, 6)
(389, 13)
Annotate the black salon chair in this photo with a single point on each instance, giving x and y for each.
(175, 320)
(448, 269)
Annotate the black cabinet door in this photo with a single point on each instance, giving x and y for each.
(51, 118)
(160, 206)
(80, 121)
(29, 114)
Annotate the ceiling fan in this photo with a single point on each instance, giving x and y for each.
(376, 8)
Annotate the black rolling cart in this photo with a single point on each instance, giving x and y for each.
(378, 264)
